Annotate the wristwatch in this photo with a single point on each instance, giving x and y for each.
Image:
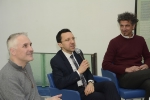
(91, 81)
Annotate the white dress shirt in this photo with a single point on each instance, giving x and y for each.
(73, 66)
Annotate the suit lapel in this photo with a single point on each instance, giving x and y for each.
(66, 62)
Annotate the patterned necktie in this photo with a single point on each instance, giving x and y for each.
(81, 75)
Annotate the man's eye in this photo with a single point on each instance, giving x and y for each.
(73, 38)
(25, 46)
(67, 39)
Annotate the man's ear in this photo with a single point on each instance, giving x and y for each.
(134, 26)
(60, 45)
(12, 51)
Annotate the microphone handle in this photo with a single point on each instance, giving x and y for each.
(83, 58)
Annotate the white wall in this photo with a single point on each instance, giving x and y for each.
(93, 22)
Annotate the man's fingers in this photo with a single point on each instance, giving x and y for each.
(59, 95)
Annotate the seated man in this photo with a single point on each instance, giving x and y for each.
(124, 56)
(70, 71)
(16, 78)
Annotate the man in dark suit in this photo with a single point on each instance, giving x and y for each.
(73, 73)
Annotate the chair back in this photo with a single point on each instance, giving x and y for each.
(124, 93)
(111, 75)
(66, 94)
(50, 78)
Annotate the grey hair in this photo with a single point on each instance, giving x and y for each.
(127, 16)
(11, 41)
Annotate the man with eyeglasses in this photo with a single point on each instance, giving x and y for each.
(70, 71)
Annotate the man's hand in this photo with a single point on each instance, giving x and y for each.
(89, 88)
(144, 66)
(136, 68)
(132, 69)
(84, 65)
(57, 97)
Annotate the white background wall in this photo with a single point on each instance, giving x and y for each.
(93, 22)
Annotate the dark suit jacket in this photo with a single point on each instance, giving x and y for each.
(64, 77)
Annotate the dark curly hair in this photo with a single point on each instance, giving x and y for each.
(127, 17)
(58, 36)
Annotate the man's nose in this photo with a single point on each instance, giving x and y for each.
(123, 28)
(30, 48)
(72, 40)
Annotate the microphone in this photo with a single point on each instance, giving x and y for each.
(78, 51)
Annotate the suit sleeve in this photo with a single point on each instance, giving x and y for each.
(62, 77)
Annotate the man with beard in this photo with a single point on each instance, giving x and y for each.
(124, 56)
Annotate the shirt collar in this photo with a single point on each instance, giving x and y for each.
(15, 65)
(67, 54)
(127, 37)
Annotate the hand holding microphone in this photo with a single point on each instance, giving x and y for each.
(84, 65)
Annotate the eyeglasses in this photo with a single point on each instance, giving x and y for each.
(69, 39)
